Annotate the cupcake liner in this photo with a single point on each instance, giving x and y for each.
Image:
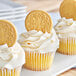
(10, 72)
(38, 61)
(67, 46)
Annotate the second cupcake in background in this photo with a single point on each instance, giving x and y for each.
(40, 42)
(66, 31)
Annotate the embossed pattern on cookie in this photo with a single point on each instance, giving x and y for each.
(8, 34)
(68, 9)
(38, 20)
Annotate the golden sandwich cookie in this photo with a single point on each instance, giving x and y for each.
(68, 9)
(38, 20)
(8, 33)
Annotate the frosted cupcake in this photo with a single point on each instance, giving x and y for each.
(39, 49)
(39, 42)
(66, 31)
(12, 55)
(11, 60)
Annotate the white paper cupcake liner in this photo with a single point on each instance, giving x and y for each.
(10, 72)
(38, 61)
(67, 46)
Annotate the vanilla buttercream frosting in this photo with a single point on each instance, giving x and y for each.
(66, 27)
(11, 57)
(38, 41)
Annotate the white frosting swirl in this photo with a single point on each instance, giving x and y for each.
(66, 27)
(39, 41)
(11, 57)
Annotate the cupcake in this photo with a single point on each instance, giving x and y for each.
(12, 55)
(66, 31)
(39, 42)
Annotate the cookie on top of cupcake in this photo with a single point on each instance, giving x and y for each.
(40, 42)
